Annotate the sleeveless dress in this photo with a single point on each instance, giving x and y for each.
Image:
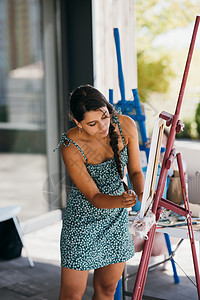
(94, 237)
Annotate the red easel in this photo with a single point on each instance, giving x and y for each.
(159, 202)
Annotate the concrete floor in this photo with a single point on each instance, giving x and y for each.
(18, 281)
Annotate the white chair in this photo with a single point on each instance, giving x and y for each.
(10, 212)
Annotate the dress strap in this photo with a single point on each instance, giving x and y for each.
(63, 140)
(116, 121)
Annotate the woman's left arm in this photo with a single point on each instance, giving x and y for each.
(134, 169)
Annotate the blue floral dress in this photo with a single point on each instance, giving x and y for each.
(94, 237)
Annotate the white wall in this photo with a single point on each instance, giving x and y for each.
(108, 14)
(190, 152)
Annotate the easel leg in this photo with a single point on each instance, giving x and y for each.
(189, 222)
(118, 291)
(176, 277)
(143, 267)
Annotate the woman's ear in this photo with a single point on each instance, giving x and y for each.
(78, 124)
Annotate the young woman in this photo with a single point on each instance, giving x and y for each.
(95, 233)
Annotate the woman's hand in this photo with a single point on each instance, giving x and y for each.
(129, 199)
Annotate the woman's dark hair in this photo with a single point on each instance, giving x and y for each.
(86, 98)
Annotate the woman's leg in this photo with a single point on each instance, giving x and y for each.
(105, 281)
(73, 284)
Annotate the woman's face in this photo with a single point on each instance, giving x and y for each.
(97, 122)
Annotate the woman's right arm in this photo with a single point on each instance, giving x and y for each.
(75, 165)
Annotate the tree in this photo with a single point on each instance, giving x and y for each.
(153, 75)
(197, 119)
(153, 18)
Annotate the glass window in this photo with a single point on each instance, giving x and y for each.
(22, 107)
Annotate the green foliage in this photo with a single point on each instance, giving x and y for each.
(187, 131)
(153, 74)
(197, 118)
(154, 17)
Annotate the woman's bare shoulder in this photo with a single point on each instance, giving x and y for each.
(72, 133)
(69, 150)
(127, 122)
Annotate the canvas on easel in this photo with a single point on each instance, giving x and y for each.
(145, 219)
(152, 167)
